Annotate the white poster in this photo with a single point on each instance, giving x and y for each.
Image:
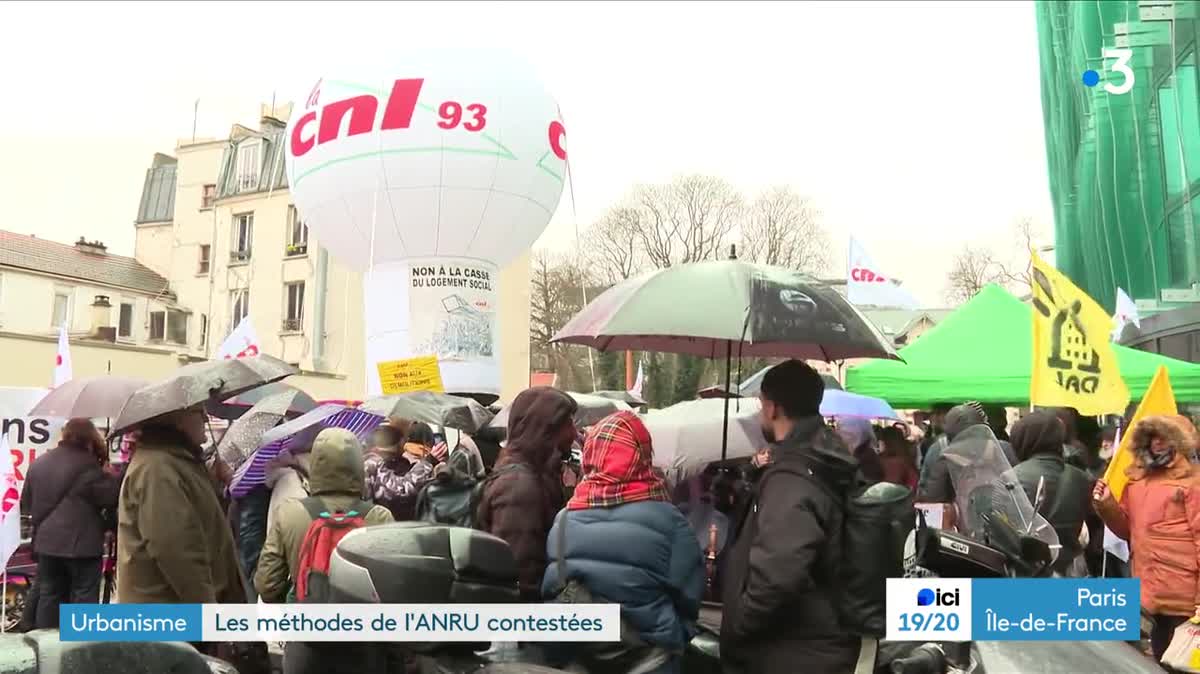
(444, 307)
(28, 437)
(241, 343)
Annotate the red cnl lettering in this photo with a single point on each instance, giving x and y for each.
(362, 117)
(300, 146)
(557, 131)
(401, 104)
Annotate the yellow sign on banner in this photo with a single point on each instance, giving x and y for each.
(411, 374)
(1073, 362)
(1158, 401)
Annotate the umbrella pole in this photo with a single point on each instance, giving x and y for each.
(728, 377)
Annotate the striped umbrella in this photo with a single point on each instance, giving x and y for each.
(254, 471)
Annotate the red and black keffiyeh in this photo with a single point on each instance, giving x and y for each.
(617, 465)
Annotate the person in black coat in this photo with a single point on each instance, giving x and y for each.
(779, 589)
(65, 491)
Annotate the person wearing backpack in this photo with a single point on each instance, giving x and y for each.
(519, 500)
(781, 575)
(400, 465)
(295, 559)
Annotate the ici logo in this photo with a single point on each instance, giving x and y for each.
(930, 597)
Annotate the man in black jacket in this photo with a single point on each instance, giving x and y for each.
(779, 589)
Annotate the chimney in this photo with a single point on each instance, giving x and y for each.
(91, 247)
(101, 317)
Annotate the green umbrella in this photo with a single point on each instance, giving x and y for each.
(720, 308)
(984, 351)
(727, 307)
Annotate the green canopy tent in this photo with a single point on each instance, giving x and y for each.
(983, 351)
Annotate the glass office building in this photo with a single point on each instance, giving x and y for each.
(1124, 161)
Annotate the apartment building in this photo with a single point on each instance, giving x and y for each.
(121, 316)
(217, 221)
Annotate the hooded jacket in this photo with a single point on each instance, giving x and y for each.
(778, 584)
(336, 476)
(174, 544)
(1066, 492)
(1159, 514)
(524, 492)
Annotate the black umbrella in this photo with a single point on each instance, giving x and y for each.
(436, 409)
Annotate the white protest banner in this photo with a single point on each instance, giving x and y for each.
(28, 437)
(240, 343)
(867, 285)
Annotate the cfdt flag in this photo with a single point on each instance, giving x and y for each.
(1074, 364)
(62, 361)
(240, 343)
(867, 285)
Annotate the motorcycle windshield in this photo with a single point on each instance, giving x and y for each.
(992, 506)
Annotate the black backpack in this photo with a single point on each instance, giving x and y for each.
(453, 498)
(877, 519)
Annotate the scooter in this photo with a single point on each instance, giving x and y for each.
(419, 563)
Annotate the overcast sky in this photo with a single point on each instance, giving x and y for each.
(915, 126)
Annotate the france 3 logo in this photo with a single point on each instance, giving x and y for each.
(928, 609)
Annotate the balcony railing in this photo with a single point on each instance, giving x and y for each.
(239, 256)
(292, 324)
(296, 249)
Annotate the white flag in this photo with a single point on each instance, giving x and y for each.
(62, 362)
(1127, 312)
(866, 284)
(1115, 546)
(10, 505)
(637, 384)
(242, 342)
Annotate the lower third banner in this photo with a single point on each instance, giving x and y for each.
(1013, 609)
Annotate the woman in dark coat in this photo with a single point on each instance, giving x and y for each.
(1038, 439)
(621, 537)
(524, 493)
(64, 493)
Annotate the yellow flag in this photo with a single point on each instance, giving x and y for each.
(1159, 399)
(1073, 361)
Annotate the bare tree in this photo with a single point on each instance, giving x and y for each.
(1017, 275)
(613, 243)
(688, 220)
(555, 296)
(782, 228)
(973, 268)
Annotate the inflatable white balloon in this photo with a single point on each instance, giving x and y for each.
(429, 174)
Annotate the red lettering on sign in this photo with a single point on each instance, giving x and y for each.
(11, 498)
(557, 131)
(865, 275)
(303, 145)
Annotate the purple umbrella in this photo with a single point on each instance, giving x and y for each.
(254, 471)
(88, 397)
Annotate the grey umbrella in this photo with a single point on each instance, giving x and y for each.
(591, 408)
(435, 409)
(626, 397)
(238, 405)
(246, 434)
(89, 397)
(200, 383)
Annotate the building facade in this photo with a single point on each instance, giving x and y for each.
(121, 316)
(1124, 154)
(217, 221)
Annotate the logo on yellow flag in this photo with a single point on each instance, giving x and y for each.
(1073, 361)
